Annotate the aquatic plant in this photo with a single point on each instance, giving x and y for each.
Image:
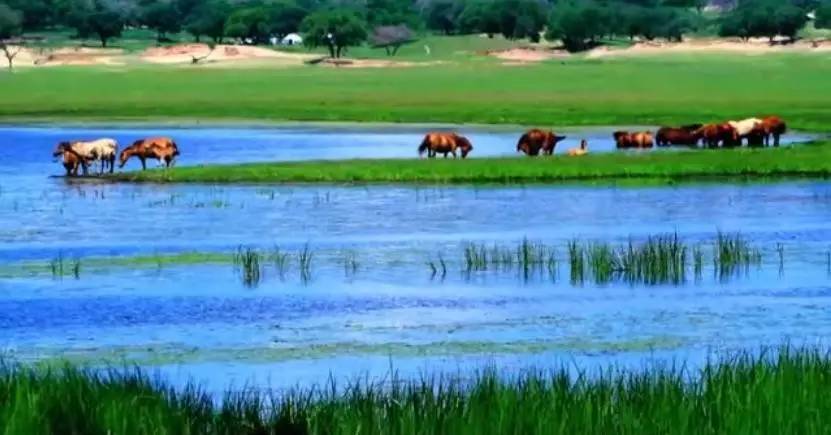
(247, 261)
(304, 260)
(56, 266)
(280, 260)
(350, 263)
(778, 390)
(733, 254)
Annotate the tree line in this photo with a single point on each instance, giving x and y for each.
(337, 24)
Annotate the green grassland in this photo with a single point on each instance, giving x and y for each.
(807, 161)
(576, 91)
(783, 391)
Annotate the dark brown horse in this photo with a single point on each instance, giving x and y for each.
(624, 139)
(71, 160)
(684, 135)
(162, 149)
(773, 126)
(536, 140)
(715, 134)
(444, 143)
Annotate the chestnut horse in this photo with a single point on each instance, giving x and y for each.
(162, 149)
(535, 140)
(445, 143)
(773, 126)
(100, 150)
(71, 160)
(713, 134)
(624, 139)
(684, 135)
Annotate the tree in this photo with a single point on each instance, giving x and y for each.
(391, 38)
(35, 14)
(520, 18)
(11, 26)
(208, 19)
(391, 13)
(763, 18)
(335, 29)
(578, 24)
(823, 16)
(442, 15)
(163, 16)
(285, 17)
(249, 24)
(480, 16)
(102, 18)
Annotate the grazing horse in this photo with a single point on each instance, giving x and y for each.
(684, 135)
(71, 160)
(773, 126)
(624, 139)
(713, 134)
(535, 140)
(162, 149)
(445, 143)
(101, 150)
(745, 127)
(582, 151)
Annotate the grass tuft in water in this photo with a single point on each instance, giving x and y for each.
(734, 254)
(247, 261)
(304, 260)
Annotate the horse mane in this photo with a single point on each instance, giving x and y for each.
(137, 143)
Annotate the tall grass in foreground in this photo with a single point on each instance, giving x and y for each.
(780, 391)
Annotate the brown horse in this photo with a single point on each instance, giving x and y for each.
(71, 159)
(444, 143)
(773, 126)
(713, 134)
(536, 140)
(162, 149)
(684, 135)
(624, 139)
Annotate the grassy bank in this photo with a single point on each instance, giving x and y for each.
(781, 393)
(803, 161)
(575, 91)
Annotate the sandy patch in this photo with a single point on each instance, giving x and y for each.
(222, 54)
(77, 56)
(518, 56)
(752, 47)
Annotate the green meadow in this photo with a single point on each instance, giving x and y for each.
(670, 89)
(804, 161)
(782, 391)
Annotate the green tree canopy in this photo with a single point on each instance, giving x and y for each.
(103, 19)
(335, 29)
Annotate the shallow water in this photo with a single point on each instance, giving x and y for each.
(201, 322)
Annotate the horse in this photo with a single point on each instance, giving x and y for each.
(773, 126)
(684, 135)
(445, 143)
(624, 139)
(582, 151)
(163, 149)
(71, 160)
(535, 140)
(745, 127)
(713, 134)
(100, 150)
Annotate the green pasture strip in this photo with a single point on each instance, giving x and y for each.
(807, 161)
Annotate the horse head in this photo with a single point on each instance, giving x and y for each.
(464, 144)
(62, 148)
(125, 155)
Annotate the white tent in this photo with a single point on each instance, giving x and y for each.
(292, 39)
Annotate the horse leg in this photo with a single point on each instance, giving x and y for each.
(143, 163)
(454, 154)
(776, 139)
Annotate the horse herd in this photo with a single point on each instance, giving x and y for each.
(757, 131)
(81, 155)
(729, 134)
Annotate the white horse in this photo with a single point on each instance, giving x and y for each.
(100, 150)
(745, 126)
